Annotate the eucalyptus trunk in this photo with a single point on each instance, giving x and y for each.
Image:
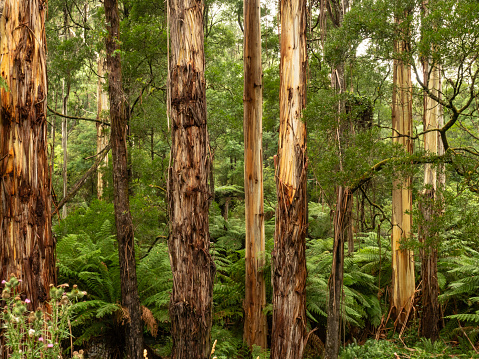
(431, 208)
(289, 260)
(342, 226)
(124, 225)
(403, 285)
(188, 192)
(101, 129)
(27, 249)
(255, 324)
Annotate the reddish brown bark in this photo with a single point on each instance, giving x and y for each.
(124, 225)
(289, 261)
(188, 192)
(26, 245)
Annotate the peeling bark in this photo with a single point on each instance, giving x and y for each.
(289, 260)
(255, 324)
(124, 225)
(27, 249)
(188, 192)
(403, 285)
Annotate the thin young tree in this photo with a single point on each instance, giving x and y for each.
(255, 323)
(403, 285)
(188, 191)
(101, 129)
(27, 249)
(124, 224)
(289, 260)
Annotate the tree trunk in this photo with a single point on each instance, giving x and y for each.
(289, 260)
(255, 325)
(65, 96)
(189, 242)
(124, 225)
(342, 227)
(430, 210)
(402, 286)
(27, 248)
(101, 129)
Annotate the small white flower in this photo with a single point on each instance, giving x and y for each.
(31, 332)
(16, 319)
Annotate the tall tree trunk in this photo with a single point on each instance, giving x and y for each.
(402, 286)
(342, 226)
(124, 225)
(27, 248)
(65, 96)
(430, 208)
(189, 242)
(255, 325)
(289, 260)
(101, 129)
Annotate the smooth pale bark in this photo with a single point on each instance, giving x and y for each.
(124, 225)
(403, 285)
(101, 129)
(255, 324)
(289, 260)
(430, 209)
(27, 248)
(188, 192)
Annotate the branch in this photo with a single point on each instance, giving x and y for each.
(101, 155)
(394, 160)
(77, 118)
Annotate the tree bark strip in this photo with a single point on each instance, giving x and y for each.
(27, 248)
(342, 226)
(101, 129)
(188, 192)
(430, 206)
(255, 325)
(124, 225)
(289, 260)
(403, 285)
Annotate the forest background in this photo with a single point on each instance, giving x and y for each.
(366, 159)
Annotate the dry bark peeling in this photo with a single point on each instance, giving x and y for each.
(26, 245)
(289, 261)
(188, 192)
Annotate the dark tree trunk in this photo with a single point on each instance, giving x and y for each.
(27, 248)
(342, 222)
(124, 225)
(289, 260)
(188, 192)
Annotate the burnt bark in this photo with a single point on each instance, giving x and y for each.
(188, 192)
(124, 225)
(342, 227)
(289, 260)
(255, 325)
(27, 248)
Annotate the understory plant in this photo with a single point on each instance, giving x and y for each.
(32, 334)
